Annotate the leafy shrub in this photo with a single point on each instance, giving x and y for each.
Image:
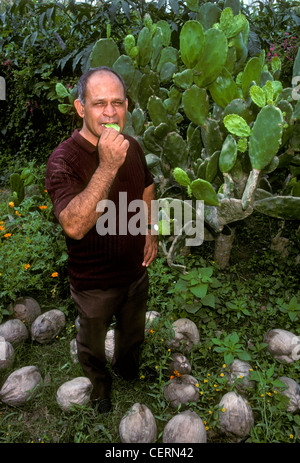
(33, 253)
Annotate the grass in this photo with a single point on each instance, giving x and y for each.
(251, 297)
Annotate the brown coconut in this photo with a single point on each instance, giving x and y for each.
(21, 386)
(25, 309)
(181, 390)
(47, 326)
(138, 425)
(236, 416)
(186, 427)
(14, 331)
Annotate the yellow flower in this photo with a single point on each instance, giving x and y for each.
(26, 266)
(210, 412)
(54, 274)
(207, 428)
(7, 235)
(18, 213)
(223, 410)
(291, 436)
(142, 377)
(11, 204)
(162, 340)
(205, 381)
(224, 365)
(222, 374)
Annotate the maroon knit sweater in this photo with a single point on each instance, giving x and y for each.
(98, 261)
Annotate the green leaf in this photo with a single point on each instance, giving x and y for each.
(199, 290)
(61, 91)
(209, 300)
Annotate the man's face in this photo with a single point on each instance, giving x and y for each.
(104, 103)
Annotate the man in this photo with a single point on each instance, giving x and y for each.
(108, 273)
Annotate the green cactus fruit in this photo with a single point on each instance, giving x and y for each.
(147, 21)
(181, 177)
(251, 73)
(184, 79)
(166, 32)
(209, 14)
(258, 96)
(17, 188)
(203, 190)
(175, 151)
(212, 166)
(144, 44)
(138, 120)
(129, 43)
(104, 53)
(265, 136)
(191, 42)
(236, 125)
(113, 126)
(157, 110)
(280, 207)
(232, 24)
(213, 58)
(224, 89)
(196, 104)
(228, 154)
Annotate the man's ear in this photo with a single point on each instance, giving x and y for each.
(79, 108)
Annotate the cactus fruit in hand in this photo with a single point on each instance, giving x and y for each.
(113, 126)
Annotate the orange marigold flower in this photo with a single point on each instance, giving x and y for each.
(172, 377)
(54, 274)
(2, 228)
(43, 207)
(177, 373)
(26, 266)
(18, 213)
(7, 235)
(11, 204)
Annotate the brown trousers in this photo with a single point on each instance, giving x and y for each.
(96, 309)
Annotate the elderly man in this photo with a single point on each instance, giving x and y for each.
(108, 272)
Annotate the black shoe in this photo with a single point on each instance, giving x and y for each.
(103, 406)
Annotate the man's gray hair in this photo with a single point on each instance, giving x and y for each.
(82, 83)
